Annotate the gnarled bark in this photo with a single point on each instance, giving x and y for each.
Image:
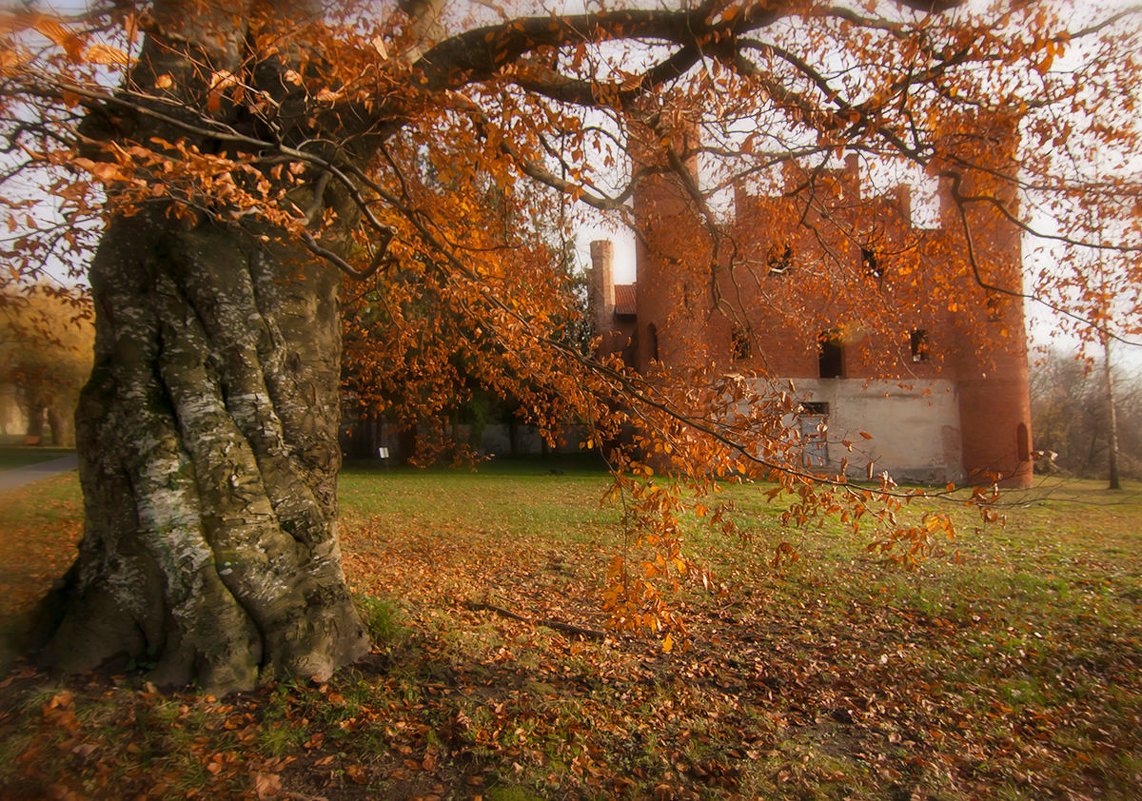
(208, 442)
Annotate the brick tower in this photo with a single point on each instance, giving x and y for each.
(992, 377)
(673, 250)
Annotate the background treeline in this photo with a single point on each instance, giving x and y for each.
(45, 356)
(1070, 415)
(46, 340)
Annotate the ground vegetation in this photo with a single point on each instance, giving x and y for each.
(1009, 667)
(215, 169)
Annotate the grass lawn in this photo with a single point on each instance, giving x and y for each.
(1011, 667)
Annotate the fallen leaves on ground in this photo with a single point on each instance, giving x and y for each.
(1017, 673)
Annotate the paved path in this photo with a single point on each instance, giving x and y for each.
(18, 477)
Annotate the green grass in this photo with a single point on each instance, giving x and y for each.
(537, 504)
(1010, 666)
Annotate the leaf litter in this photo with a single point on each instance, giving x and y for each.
(1016, 672)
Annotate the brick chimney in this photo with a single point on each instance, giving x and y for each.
(601, 287)
(850, 178)
(903, 194)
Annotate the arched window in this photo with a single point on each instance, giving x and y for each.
(779, 259)
(1023, 443)
(870, 263)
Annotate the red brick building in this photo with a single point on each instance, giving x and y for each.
(913, 335)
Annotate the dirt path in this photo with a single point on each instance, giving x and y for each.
(18, 477)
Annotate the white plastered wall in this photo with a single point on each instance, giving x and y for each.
(914, 427)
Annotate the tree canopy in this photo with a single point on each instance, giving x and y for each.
(445, 152)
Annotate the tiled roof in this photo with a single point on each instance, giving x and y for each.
(626, 300)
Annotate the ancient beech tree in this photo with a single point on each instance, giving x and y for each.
(237, 160)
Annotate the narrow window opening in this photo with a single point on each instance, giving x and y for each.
(870, 262)
(741, 344)
(820, 408)
(780, 259)
(652, 341)
(831, 356)
(919, 345)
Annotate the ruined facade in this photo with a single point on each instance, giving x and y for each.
(911, 335)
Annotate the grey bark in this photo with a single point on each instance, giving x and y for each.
(208, 457)
(207, 433)
(62, 426)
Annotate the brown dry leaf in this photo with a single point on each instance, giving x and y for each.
(60, 35)
(106, 54)
(267, 785)
(59, 792)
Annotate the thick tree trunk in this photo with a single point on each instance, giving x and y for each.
(208, 457)
(34, 409)
(62, 426)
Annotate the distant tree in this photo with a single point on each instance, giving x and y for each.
(1111, 395)
(46, 351)
(412, 353)
(253, 153)
(1071, 417)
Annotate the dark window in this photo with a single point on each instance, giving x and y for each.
(831, 358)
(780, 259)
(870, 262)
(652, 341)
(815, 407)
(920, 345)
(741, 346)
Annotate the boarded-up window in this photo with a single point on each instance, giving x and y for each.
(813, 428)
